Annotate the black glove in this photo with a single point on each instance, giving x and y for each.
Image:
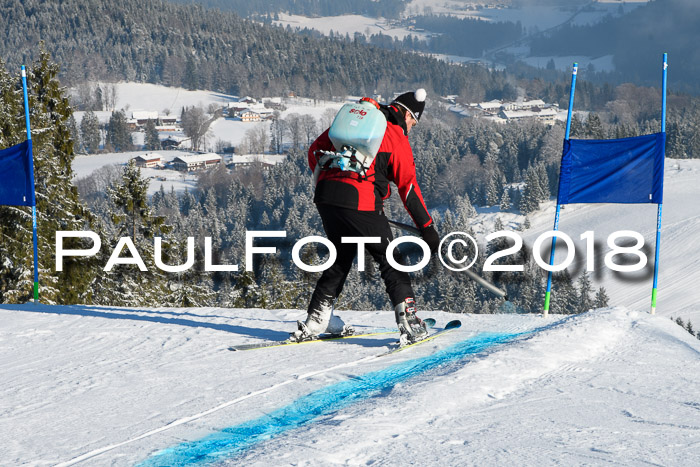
(431, 237)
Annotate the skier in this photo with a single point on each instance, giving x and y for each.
(351, 205)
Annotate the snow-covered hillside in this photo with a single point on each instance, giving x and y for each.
(133, 97)
(112, 386)
(533, 16)
(679, 263)
(156, 98)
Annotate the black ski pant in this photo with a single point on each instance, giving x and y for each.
(342, 222)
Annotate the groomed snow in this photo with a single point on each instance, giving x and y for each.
(93, 385)
(114, 386)
(679, 271)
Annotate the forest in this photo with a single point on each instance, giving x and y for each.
(195, 48)
(509, 166)
(461, 163)
(636, 40)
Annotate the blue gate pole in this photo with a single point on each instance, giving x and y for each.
(31, 175)
(548, 294)
(658, 215)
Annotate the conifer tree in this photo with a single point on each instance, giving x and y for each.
(564, 295)
(577, 128)
(464, 211)
(246, 292)
(152, 139)
(601, 298)
(584, 293)
(74, 133)
(505, 201)
(130, 197)
(118, 134)
(99, 101)
(593, 128)
(689, 328)
(90, 132)
(127, 284)
(58, 206)
(492, 190)
(532, 194)
(543, 181)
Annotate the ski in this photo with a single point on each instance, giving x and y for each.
(430, 322)
(451, 326)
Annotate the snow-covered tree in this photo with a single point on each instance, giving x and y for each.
(58, 205)
(90, 132)
(127, 284)
(152, 142)
(601, 298)
(505, 201)
(585, 300)
(118, 133)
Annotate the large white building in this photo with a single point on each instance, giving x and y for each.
(194, 162)
(503, 111)
(546, 115)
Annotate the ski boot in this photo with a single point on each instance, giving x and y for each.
(411, 327)
(320, 320)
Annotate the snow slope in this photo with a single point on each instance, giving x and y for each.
(533, 16)
(679, 264)
(114, 386)
(103, 385)
(169, 179)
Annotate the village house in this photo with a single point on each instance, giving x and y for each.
(167, 123)
(250, 116)
(491, 106)
(524, 105)
(245, 160)
(172, 142)
(190, 163)
(148, 161)
(143, 116)
(248, 110)
(139, 118)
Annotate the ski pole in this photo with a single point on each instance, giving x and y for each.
(472, 275)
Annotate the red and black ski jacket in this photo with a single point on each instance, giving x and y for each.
(394, 163)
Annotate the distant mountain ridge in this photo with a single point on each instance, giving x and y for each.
(164, 43)
(637, 41)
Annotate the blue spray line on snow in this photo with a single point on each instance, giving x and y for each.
(234, 440)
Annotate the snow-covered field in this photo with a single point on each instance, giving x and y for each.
(149, 97)
(89, 385)
(167, 178)
(679, 270)
(157, 98)
(348, 24)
